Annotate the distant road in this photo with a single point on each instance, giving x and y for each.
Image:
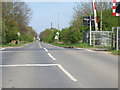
(40, 65)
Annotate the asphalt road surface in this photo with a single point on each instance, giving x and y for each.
(40, 65)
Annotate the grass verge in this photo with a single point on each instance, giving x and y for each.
(86, 45)
(16, 45)
(77, 45)
(114, 52)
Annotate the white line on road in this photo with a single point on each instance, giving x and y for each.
(28, 65)
(39, 44)
(51, 56)
(45, 49)
(78, 48)
(67, 73)
(90, 50)
(2, 49)
(41, 65)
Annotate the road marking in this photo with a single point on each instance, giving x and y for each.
(106, 52)
(90, 50)
(2, 49)
(67, 73)
(78, 48)
(45, 49)
(51, 56)
(41, 65)
(28, 65)
(39, 44)
(22, 51)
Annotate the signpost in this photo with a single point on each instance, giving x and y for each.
(18, 34)
(86, 20)
(89, 21)
(57, 36)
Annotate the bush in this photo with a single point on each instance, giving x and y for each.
(48, 35)
(70, 36)
(12, 34)
(27, 37)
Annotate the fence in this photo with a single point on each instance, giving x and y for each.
(116, 38)
(98, 38)
(104, 38)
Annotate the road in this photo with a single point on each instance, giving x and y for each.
(40, 65)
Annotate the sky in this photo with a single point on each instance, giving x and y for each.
(43, 13)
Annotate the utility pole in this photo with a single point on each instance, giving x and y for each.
(58, 22)
(51, 25)
(100, 15)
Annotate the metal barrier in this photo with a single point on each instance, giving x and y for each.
(101, 38)
(98, 38)
(116, 38)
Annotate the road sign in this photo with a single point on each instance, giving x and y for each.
(86, 21)
(116, 8)
(56, 37)
(57, 33)
(18, 34)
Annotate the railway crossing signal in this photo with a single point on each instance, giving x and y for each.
(116, 8)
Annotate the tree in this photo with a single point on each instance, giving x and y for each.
(48, 35)
(15, 18)
(70, 35)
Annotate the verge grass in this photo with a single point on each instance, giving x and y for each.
(86, 45)
(16, 45)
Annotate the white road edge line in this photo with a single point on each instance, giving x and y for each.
(90, 50)
(78, 48)
(45, 49)
(67, 73)
(51, 56)
(2, 49)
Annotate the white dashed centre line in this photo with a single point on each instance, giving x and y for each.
(45, 49)
(39, 45)
(61, 68)
(51, 56)
(2, 49)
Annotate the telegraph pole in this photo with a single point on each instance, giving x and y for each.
(101, 15)
(58, 22)
(51, 25)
